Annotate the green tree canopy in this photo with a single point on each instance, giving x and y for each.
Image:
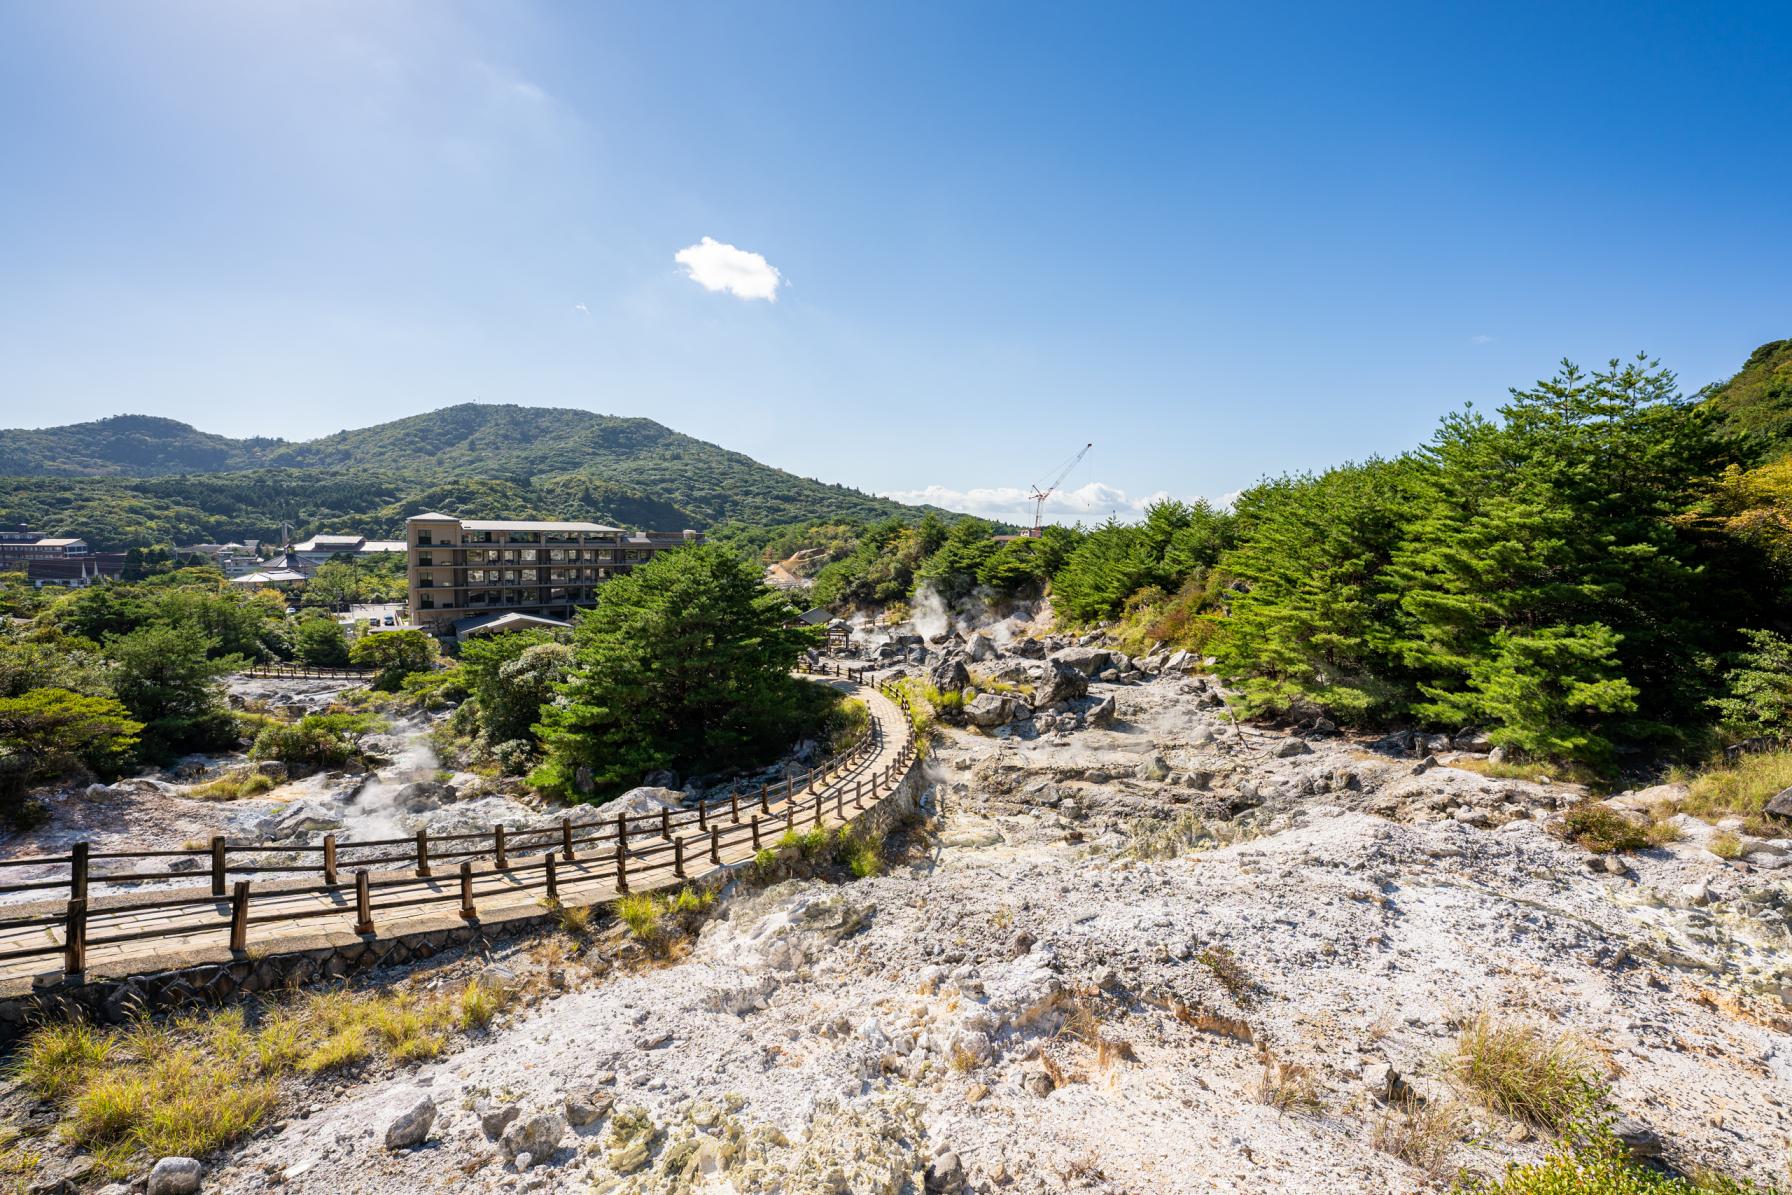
(684, 663)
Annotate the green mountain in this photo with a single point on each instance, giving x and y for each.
(135, 480)
(1757, 402)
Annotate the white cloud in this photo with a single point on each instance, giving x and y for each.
(1480, 338)
(581, 309)
(1091, 503)
(716, 267)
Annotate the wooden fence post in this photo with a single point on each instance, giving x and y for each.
(818, 809)
(715, 844)
(553, 877)
(502, 859)
(239, 917)
(755, 833)
(765, 802)
(566, 838)
(77, 871)
(423, 853)
(678, 856)
(217, 865)
(666, 822)
(363, 903)
(74, 938)
(329, 860)
(734, 805)
(467, 911)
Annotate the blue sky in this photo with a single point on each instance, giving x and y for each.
(1218, 241)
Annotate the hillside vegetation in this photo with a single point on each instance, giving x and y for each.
(137, 481)
(1594, 570)
(1756, 404)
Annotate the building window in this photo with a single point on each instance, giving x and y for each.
(423, 538)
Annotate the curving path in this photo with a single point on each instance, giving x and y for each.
(451, 882)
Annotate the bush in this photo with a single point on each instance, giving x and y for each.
(1594, 1162)
(394, 655)
(1600, 828)
(1741, 788)
(1757, 697)
(316, 740)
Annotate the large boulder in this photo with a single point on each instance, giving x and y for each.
(1060, 682)
(948, 674)
(989, 709)
(1027, 649)
(537, 1135)
(648, 799)
(980, 648)
(423, 795)
(1087, 660)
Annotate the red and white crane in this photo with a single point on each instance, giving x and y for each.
(1042, 492)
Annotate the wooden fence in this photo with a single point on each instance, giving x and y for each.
(307, 672)
(638, 851)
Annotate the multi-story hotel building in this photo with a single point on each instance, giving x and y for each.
(464, 571)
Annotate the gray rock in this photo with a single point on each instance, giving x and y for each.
(1102, 712)
(422, 795)
(948, 675)
(980, 648)
(495, 1118)
(945, 1174)
(1089, 661)
(175, 1176)
(589, 1109)
(1290, 747)
(1059, 682)
(1036, 1080)
(1779, 805)
(411, 1126)
(660, 778)
(538, 1136)
(989, 709)
(1637, 1137)
(1499, 755)
(1384, 1082)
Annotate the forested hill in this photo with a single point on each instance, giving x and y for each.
(142, 480)
(1757, 402)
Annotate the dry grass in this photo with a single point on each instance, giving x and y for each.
(198, 1082)
(1741, 788)
(233, 786)
(656, 919)
(1422, 1135)
(1541, 771)
(1724, 845)
(1518, 1070)
(1239, 983)
(1287, 1087)
(573, 919)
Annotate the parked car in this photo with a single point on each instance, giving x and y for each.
(373, 622)
(390, 621)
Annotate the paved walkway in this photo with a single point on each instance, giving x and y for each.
(302, 914)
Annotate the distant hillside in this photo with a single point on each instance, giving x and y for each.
(1757, 402)
(139, 480)
(125, 446)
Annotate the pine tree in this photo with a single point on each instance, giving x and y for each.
(684, 663)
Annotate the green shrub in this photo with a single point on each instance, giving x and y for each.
(1741, 788)
(1594, 1162)
(1600, 828)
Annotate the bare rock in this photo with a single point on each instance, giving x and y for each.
(175, 1176)
(411, 1126)
(537, 1135)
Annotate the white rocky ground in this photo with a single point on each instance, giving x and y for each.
(1026, 1005)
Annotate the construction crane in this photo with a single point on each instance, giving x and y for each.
(1041, 493)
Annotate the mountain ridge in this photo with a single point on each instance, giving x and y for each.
(475, 459)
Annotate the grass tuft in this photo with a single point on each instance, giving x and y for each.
(1741, 788)
(1423, 1135)
(1288, 1087)
(1517, 1070)
(1724, 845)
(1239, 983)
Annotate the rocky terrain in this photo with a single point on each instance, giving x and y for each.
(1144, 950)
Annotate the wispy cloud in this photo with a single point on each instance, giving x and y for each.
(581, 309)
(1090, 503)
(1480, 338)
(720, 267)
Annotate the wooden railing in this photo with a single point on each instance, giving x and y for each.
(307, 671)
(633, 850)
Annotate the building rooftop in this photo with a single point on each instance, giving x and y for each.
(493, 624)
(508, 525)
